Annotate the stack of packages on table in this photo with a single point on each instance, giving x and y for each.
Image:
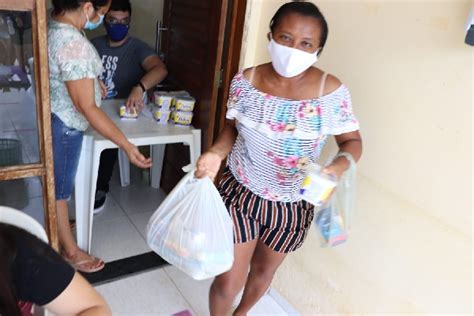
(174, 106)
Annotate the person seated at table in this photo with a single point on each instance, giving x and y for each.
(131, 68)
(33, 273)
(74, 68)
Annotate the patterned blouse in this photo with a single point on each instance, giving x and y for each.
(277, 137)
(71, 57)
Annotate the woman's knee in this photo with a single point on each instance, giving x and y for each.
(262, 272)
(227, 285)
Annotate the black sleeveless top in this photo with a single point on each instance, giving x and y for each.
(38, 273)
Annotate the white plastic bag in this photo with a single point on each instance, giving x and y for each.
(192, 229)
(333, 220)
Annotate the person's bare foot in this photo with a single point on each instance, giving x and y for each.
(84, 262)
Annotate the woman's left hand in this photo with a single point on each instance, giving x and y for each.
(337, 167)
(135, 100)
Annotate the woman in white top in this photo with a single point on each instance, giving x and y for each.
(75, 99)
(278, 119)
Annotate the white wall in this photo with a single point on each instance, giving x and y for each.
(411, 78)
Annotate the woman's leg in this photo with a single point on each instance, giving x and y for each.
(264, 264)
(71, 252)
(67, 144)
(65, 234)
(226, 286)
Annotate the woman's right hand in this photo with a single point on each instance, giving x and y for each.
(103, 89)
(208, 165)
(136, 157)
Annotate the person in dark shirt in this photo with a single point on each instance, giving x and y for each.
(131, 68)
(31, 271)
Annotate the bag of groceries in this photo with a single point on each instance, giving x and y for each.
(192, 229)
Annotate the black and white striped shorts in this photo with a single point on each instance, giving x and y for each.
(282, 226)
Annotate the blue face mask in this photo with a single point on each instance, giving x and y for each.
(116, 31)
(91, 25)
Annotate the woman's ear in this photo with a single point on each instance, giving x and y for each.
(88, 9)
(269, 36)
(318, 51)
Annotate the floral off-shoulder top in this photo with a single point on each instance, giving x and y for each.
(277, 137)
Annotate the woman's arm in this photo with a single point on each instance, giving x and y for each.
(79, 298)
(350, 143)
(82, 93)
(210, 162)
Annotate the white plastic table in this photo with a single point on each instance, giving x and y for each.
(140, 132)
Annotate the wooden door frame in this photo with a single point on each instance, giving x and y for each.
(45, 168)
(231, 57)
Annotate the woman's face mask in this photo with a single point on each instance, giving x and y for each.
(93, 25)
(289, 62)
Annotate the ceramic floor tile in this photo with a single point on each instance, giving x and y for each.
(267, 306)
(20, 190)
(29, 142)
(11, 97)
(116, 239)
(6, 124)
(138, 198)
(24, 115)
(110, 211)
(150, 293)
(140, 221)
(285, 305)
(196, 293)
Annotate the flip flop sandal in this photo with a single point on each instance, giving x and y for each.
(82, 265)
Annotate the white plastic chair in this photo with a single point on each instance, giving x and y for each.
(22, 220)
(157, 155)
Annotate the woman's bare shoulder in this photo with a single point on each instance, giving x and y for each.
(258, 71)
(332, 82)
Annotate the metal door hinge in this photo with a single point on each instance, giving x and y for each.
(219, 78)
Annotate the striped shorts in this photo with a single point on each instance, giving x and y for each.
(282, 226)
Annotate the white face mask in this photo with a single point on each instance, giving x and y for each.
(290, 62)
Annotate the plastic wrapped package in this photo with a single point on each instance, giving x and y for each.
(163, 99)
(317, 187)
(161, 115)
(185, 103)
(333, 220)
(192, 229)
(182, 118)
(128, 113)
(177, 94)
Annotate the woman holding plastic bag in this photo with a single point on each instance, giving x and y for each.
(279, 116)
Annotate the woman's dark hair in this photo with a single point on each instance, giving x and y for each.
(305, 9)
(121, 5)
(61, 6)
(8, 301)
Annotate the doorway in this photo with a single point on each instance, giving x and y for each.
(202, 51)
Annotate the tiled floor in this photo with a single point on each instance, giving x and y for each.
(118, 232)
